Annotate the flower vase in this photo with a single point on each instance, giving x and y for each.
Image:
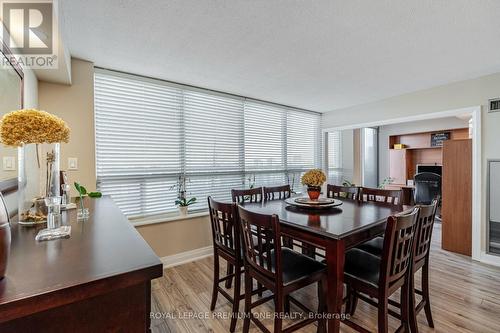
(38, 178)
(313, 192)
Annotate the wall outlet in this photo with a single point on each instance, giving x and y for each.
(72, 163)
(9, 163)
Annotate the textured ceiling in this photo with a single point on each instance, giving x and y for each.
(316, 54)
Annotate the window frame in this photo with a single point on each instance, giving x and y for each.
(243, 173)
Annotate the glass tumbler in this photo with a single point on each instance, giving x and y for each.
(53, 211)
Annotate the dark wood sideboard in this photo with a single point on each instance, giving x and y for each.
(99, 280)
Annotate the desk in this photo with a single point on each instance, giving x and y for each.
(97, 280)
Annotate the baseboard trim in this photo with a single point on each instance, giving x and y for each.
(185, 257)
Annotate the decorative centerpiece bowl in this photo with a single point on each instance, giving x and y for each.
(313, 179)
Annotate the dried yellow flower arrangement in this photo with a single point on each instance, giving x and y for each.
(314, 177)
(32, 126)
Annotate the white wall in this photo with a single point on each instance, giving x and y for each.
(452, 96)
(408, 128)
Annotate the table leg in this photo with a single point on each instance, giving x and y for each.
(335, 256)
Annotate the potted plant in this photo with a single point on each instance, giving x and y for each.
(37, 136)
(313, 179)
(386, 182)
(182, 201)
(82, 212)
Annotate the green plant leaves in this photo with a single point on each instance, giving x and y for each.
(183, 202)
(83, 191)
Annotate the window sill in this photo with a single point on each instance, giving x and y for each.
(164, 219)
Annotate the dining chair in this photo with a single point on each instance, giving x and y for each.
(279, 269)
(226, 242)
(349, 192)
(380, 277)
(247, 195)
(393, 197)
(423, 237)
(277, 192)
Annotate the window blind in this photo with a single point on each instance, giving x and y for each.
(138, 142)
(213, 137)
(335, 171)
(150, 133)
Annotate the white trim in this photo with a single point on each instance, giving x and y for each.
(422, 116)
(185, 257)
(156, 220)
(478, 225)
(489, 259)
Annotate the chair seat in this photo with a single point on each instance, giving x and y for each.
(374, 246)
(296, 266)
(361, 265)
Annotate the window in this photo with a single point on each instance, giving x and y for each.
(335, 172)
(149, 133)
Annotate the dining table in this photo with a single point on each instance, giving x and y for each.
(334, 231)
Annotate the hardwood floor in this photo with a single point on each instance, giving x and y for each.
(465, 297)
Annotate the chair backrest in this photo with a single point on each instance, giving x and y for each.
(349, 192)
(223, 219)
(277, 192)
(425, 225)
(247, 195)
(261, 243)
(4, 213)
(380, 195)
(427, 187)
(398, 246)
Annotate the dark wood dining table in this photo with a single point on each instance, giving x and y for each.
(333, 230)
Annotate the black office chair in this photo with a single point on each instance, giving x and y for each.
(427, 187)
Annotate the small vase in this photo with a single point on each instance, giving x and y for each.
(38, 178)
(4, 247)
(183, 210)
(313, 192)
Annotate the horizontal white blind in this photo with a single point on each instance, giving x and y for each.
(303, 140)
(335, 171)
(213, 127)
(264, 137)
(138, 142)
(149, 133)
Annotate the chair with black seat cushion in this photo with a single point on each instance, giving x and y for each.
(277, 192)
(349, 192)
(423, 237)
(427, 187)
(226, 241)
(379, 277)
(279, 269)
(392, 197)
(280, 193)
(247, 195)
